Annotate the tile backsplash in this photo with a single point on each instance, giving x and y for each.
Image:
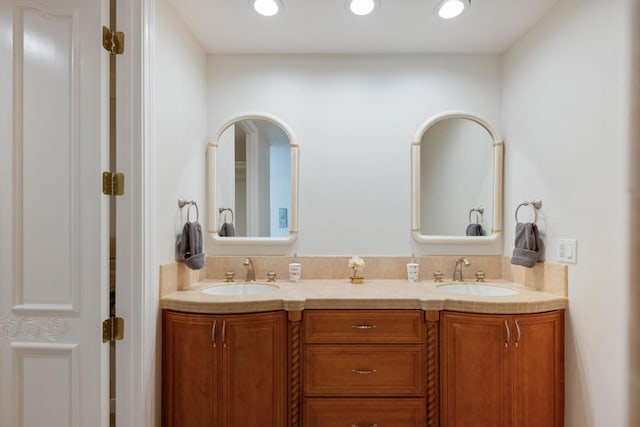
(337, 267)
(544, 276)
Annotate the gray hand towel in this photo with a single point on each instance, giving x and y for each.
(474, 230)
(527, 245)
(227, 230)
(190, 246)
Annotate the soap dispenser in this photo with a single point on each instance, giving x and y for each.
(412, 269)
(295, 268)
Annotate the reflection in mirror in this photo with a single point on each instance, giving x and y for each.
(457, 180)
(253, 182)
(456, 177)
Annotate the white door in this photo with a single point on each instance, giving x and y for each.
(53, 217)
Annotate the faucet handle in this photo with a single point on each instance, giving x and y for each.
(437, 276)
(228, 276)
(479, 276)
(271, 276)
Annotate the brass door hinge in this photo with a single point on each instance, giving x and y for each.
(112, 184)
(113, 41)
(113, 329)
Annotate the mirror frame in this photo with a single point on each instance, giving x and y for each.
(498, 170)
(213, 225)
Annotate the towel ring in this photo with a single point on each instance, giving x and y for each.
(225, 210)
(479, 211)
(189, 212)
(535, 205)
(182, 203)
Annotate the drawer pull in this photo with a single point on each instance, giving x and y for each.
(363, 326)
(358, 425)
(363, 371)
(224, 333)
(213, 333)
(518, 336)
(506, 342)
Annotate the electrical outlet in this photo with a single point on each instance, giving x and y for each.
(567, 251)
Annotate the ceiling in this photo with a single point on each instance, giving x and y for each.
(327, 26)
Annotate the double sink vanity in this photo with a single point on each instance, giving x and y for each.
(325, 353)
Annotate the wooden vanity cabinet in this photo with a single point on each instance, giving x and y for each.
(502, 370)
(364, 368)
(224, 370)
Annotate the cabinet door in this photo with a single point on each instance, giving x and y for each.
(474, 370)
(189, 389)
(254, 370)
(538, 370)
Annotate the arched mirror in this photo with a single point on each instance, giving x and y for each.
(457, 168)
(253, 181)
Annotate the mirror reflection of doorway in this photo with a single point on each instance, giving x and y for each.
(261, 195)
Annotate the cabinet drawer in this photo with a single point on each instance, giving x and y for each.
(363, 326)
(348, 412)
(364, 370)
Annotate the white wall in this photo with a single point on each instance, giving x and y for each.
(180, 125)
(566, 88)
(354, 117)
(634, 332)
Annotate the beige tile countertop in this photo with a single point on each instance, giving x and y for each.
(372, 294)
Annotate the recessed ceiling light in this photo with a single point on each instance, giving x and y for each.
(448, 9)
(362, 7)
(266, 7)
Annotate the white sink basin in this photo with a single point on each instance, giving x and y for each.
(240, 289)
(477, 289)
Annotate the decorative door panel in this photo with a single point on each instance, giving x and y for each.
(46, 159)
(53, 217)
(56, 364)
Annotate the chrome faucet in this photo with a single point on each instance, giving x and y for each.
(251, 274)
(457, 271)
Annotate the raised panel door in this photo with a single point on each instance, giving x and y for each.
(190, 392)
(474, 361)
(54, 221)
(254, 370)
(538, 370)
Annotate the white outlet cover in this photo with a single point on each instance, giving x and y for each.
(567, 251)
